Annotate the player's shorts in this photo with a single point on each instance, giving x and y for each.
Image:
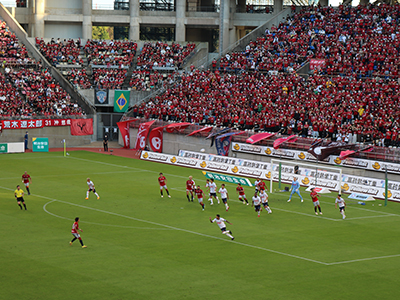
(213, 195)
(257, 207)
(224, 200)
(92, 190)
(191, 190)
(200, 200)
(20, 199)
(163, 187)
(26, 184)
(242, 196)
(265, 204)
(341, 208)
(223, 229)
(76, 235)
(316, 203)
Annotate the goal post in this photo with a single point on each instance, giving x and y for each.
(310, 175)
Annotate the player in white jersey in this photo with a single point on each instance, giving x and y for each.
(224, 196)
(256, 183)
(212, 190)
(221, 224)
(256, 203)
(339, 201)
(264, 201)
(91, 189)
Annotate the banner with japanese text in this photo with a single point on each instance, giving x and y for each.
(32, 124)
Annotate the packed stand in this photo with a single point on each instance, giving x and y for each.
(11, 52)
(109, 78)
(111, 53)
(78, 78)
(42, 93)
(11, 102)
(161, 54)
(143, 80)
(57, 51)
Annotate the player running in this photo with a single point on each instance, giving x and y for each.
(295, 189)
(200, 195)
(256, 183)
(74, 231)
(264, 200)
(26, 179)
(340, 201)
(242, 196)
(19, 195)
(261, 185)
(163, 185)
(257, 203)
(314, 196)
(221, 224)
(91, 189)
(190, 185)
(224, 196)
(212, 190)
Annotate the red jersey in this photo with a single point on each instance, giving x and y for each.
(240, 189)
(75, 227)
(26, 178)
(199, 193)
(161, 180)
(314, 196)
(261, 186)
(189, 185)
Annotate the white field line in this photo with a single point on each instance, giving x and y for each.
(362, 259)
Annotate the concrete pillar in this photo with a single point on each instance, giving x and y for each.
(134, 23)
(323, 2)
(278, 6)
(87, 19)
(224, 25)
(180, 32)
(364, 2)
(39, 18)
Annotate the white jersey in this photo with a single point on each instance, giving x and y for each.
(264, 197)
(256, 200)
(256, 183)
(340, 202)
(223, 192)
(90, 185)
(220, 222)
(212, 186)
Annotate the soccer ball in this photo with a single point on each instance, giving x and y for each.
(202, 150)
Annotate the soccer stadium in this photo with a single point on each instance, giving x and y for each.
(129, 127)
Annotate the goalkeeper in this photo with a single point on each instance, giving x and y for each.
(295, 189)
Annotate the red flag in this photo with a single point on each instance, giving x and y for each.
(124, 130)
(259, 136)
(176, 126)
(156, 139)
(81, 126)
(141, 137)
(346, 154)
(204, 129)
(280, 141)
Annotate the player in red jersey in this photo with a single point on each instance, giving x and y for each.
(314, 196)
(163, 185)
(190, 185)
(261, 185)
(200, 195)
(26, 179)
(242, 196)
(74, 231)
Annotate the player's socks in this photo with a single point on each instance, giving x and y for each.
(269, 210)
(73, 240)
(187, 196)
(87, 195)
(203, 206)
(24, 205)
(28, 191)
(167, 192)
(227, 233)
(217, 199)
(319, 208)
(80, 240)
(161, 193)
(246, 201)
(315, 208)
(20, 206)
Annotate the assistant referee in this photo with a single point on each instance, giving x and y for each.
(19, 195)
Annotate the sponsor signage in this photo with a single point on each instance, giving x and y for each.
(305, 156)
(3, 148)
(228, 178)
(307, 177)
(40, 144)
(361, 197)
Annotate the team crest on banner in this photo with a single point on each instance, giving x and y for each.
(121, 100)
(223, 145)
(101, 96)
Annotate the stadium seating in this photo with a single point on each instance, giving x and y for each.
(142, 80)
(109, 78)
(57, 51)
(112, 53)
(78, 78)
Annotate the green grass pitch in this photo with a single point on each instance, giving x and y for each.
(142, 246)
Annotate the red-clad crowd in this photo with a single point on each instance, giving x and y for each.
(109, 78)
(57, 51)
(143, 80)
(110, 53)
(161, 54)
(79, 78)
(11, 102)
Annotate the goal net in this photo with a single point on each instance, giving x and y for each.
(325, 179)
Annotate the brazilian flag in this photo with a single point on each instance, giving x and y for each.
(121, 100)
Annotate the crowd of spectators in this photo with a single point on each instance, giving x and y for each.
(143, 80)
(57, 51)
(109, 78)
(11, 102)
(78, 78)
(161, 54)
(110, 53)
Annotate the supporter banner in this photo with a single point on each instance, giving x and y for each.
(142, 133)
(204, 129)
(176, 127)
(81, 126)
(121, 100)
(222, 145)
(156, 139)
(32, 124)
(228, 178)
(316, 63)
(281, 141)
(40, 144)
(124, 130)
(100, 96)
(373, 165)
(307, 177)
(259, 137)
